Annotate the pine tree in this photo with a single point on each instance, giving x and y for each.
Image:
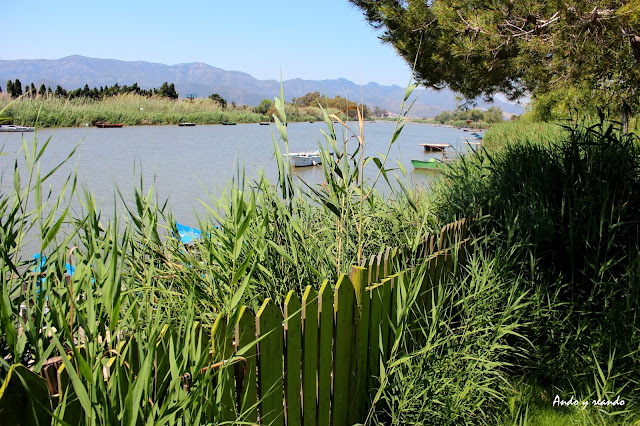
(17, 88)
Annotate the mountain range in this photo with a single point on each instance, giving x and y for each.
(202, 80)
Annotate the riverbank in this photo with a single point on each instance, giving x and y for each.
(135, 110)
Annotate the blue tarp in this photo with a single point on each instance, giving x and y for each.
(187, 233)
(40, 261)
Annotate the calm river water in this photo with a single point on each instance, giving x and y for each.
(188, 163)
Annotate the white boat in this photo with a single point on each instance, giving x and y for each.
(12, 128)
(303, 159)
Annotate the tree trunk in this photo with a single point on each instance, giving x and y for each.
(624, 117)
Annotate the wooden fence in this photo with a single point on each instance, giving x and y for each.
(318, 361)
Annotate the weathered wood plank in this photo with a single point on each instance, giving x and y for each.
(372, 270)
(310, 329)
(387, 287)
(381, 273)
(358, 385)
(388, 268)
(344, 305)
(375, 326)
(73, 410)
(222, 350)
(247, 387)
(293, 358)
(24, 398)
(325, 354)
(270, 364)
(393, 323)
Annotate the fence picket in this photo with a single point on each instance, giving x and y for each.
(344, 325)
(358, 385)
(245, 333)
(73, 410)
(222, 346)
(325, 353)
(309, 355)
(293, 358)
(387, 288)
(270, 363)
(372, 270)
(375, 327)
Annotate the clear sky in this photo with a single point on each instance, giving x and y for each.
(308, 39)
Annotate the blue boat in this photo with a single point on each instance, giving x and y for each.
(188, 234)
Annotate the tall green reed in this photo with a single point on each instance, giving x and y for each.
(566, 209)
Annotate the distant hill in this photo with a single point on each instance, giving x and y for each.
(201, 79)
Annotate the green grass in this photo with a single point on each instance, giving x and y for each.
(507, 133)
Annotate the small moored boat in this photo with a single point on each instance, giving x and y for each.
(304, 159)
(264, 123)
(228, 123)
(103, 125)
(186, 124)
(430, 164)
(12, 128)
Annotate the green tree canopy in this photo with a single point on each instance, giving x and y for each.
(167, 91)
(484, 47)
(60, 92)
(264, 106)
(219, 99)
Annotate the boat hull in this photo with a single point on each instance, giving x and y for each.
(306, 159)
(431, 164)
(186, 124)
(17, 129)
(108, 125)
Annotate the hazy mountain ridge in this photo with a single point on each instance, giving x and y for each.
(201, 79)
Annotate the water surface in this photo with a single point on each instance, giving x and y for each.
(189, 163)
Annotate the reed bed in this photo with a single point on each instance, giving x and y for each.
(132, 110)
(133, 281)
(559, 208)
(546, 298)
(507, 133)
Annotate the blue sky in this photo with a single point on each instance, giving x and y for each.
(307, 39)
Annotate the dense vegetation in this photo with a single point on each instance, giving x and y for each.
(546, 304)
(557, 211)
(481, 48)
(479, 117)
(131, 105)
(14, 90)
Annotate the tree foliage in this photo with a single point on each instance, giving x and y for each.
(14, 88)
(492, 115)
(313, 99)
(484, 47)
(166, 91)
(219, 99)
(264, 106)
